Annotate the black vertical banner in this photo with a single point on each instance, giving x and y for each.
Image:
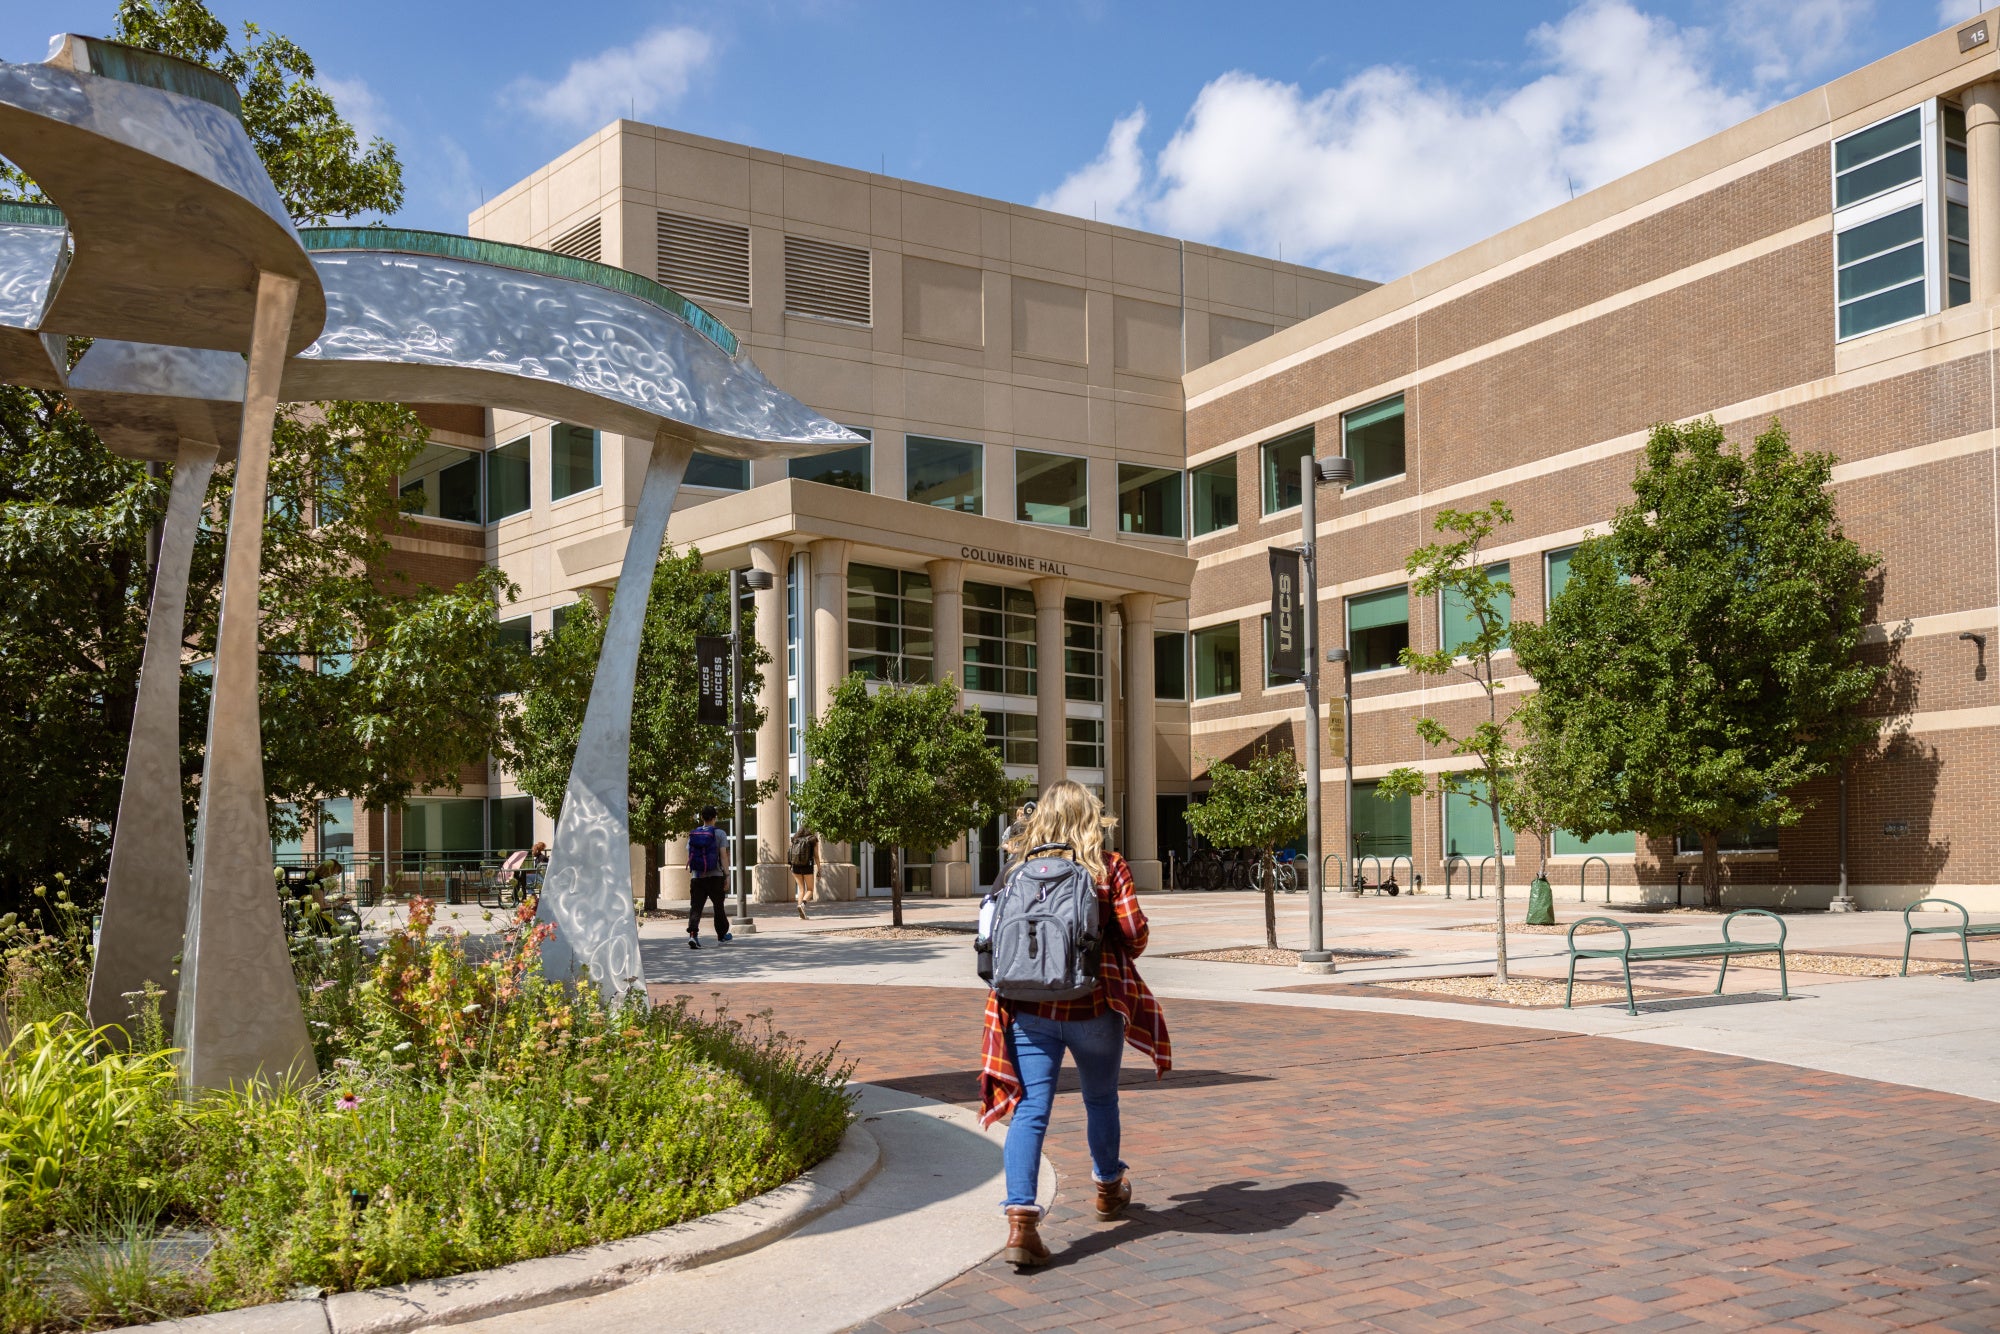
(711, 655)
(1288, 645)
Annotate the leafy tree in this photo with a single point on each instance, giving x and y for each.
(1455, 572)
(371, 688)
(1258, 806)
(678, 765)
(1703, 661)
(900, 767)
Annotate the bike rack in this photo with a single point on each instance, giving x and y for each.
(1482, 873)
(1339, 878)
(1408, 865)
(1450, 864)
(1583, 872)
(1361, 880)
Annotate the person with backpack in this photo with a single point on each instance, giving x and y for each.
(803, 854)
(1059, 941)
(708, 878)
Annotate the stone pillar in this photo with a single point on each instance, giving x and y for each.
(1142, 768)
(1051, 737)
(838, 874)
(1982, 170)
(771, 882)
(674, 871)
(951, 874)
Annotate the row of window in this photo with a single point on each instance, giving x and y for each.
(1372, 436)
(1901, 239)
(430, 825)
(470, 486)
(890, 635)
(1382, 829)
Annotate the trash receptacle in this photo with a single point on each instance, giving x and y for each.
(1541, 903)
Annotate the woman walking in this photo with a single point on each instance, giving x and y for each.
(1025, 1041)
(804, 857)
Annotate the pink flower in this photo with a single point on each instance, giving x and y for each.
(347, 1102)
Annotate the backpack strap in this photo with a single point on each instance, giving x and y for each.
(1040, 848)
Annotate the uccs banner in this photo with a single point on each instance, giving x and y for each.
(1288, 643)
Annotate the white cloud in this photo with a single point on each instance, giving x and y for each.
(1789, 39)
(1958, 11)
(651, 74)
(356, 101)
(1389, 170)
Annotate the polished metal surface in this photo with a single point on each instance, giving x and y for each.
(424, 329)
(587, 892)
(170, 209)
(141, 398)
(146, 893)
(240, 1020)
(32, 259)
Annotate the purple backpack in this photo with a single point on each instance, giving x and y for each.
(705, 851)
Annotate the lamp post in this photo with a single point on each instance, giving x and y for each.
(1315, 958)
(756, 581)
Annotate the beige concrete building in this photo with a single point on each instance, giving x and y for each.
(1021, 506)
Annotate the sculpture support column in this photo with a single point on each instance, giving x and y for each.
(587, 892)
(773, 879)
(1142, 765)
(951, 873)
(146, 891)
(239, 1019)
(839, 876)
(1051, 733)
(1982, 170)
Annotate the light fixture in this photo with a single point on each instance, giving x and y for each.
(1338, 470)
(756, 580)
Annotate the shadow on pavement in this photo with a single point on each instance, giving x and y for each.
(1233, 1209)
(1709, 1002)
(962, 1086)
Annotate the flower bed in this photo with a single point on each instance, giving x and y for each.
(470, 1114)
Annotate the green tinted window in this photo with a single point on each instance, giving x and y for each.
(1378, 628)
(573, 460)
(1566, 844)
(852, 468)
(1149, 500)
(1170, 665)
(1459, 626)
(1381, 824)
(507, 480)
(719, 473)
(1373, 438)
(1051, 488)
(1468, 824)
(1218, 661)
(1214, 488)
(1281, 469)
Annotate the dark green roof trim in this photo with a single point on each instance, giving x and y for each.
(31, 215)
(150, 69)
(528, 260)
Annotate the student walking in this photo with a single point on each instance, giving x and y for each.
(708, 877)
(804, 857)
(1024, 1042)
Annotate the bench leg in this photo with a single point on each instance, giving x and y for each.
(1569, 989)
(1965, 946)
(1631, 1005)
(1784, 987)
(1908, 936)
(1721, 977)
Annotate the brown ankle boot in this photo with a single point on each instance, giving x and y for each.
(1024, 1243)
(1112, 1197)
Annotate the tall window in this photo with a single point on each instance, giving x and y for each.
(1373, 438)
(949, 474)
(1378, 628)
(1014, 735)
(888, 623)
(999, 640)
(852, 468)
(1557, 574)
(1084, 743)
(1957, 223)
(336, 828)
(1083, 649)
(507, 480)
(1051, 488)
(1281, 469)
(1214, 489)
(1149, 500)
(1169, 665)
(448, 824)
(574, 462)
(720, 473)
(1468, 824)
(1381, 825)
(1900, 227)
(1457, 626)
(1218, 661)
(512, 820)
(444, 484)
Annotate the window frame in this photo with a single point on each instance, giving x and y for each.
(1400, 396)
(1180, 516)
(1270, 483)
(475, 457)
(1020, 512)
(910, 442)
(1194, 646)
(1232, 465)
(1182, 636)
(597, 462)
(527, 462)
(1347, 626)
(1928, 192)
(792, 464)
(743, 465)
(1443, 601)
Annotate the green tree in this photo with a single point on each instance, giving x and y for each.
(1261, 805)
(372, 687)
(1455, 572)
(1703, 662)
(900, 767)
(678, 765)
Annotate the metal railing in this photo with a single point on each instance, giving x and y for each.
(1482, 872)
(1338, 881)
(465, 876)
(1408, 865)
(1451, 865)
(1583, 873)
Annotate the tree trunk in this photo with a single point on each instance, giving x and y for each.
(896, 886)
(1270, 898)
(1711, 869)
(653, 860)
(1500, 881)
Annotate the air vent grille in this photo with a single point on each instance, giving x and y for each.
(585, 241)
(703, 259)
(828, 281)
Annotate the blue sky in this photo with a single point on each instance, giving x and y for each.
(1366, 137)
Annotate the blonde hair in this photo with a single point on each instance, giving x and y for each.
(1069, 813)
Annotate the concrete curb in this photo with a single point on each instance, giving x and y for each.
(557, 1278)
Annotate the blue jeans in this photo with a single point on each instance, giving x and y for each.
(1038, 1045)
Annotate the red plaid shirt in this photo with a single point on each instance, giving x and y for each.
(1119, 986)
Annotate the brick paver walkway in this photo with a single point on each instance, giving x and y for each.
(1315, 1169)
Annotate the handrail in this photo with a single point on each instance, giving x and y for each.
(1583, 872)
(528, 260)
(1757, 912)
(1340, 879)
(1482, 873)
(1456, 860)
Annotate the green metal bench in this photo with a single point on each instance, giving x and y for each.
(1962, 928)
(1724, 949)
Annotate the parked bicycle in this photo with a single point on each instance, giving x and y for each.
(1285, 876)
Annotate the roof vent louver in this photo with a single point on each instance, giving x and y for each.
(827, 281)
(585, 241)
(705, 259)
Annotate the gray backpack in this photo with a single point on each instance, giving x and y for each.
(1042, 935)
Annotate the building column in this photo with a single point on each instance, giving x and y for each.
(674, 871)
(770, 879)
(1051, 736)
(1142, 764)
(838, 875)
(1982, 170)
(951, 872)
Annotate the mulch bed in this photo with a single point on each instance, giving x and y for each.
(943, 931)
(1522, 993)
(1276, 958)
